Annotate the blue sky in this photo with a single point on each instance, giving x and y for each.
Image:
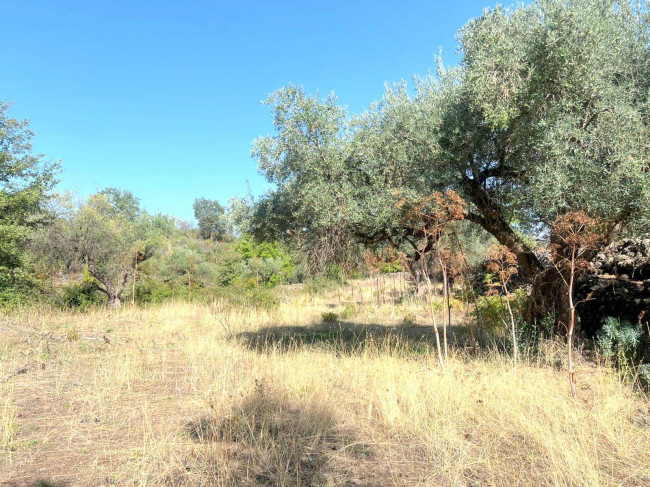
(163, 97)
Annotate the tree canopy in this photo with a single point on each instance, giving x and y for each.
(108, 236)
(25, 183)
(212, 218)
(547, 113)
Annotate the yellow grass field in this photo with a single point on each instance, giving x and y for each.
(176, 395)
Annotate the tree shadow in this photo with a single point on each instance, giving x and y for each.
(272, 438)
(30, 482)
(350, 337)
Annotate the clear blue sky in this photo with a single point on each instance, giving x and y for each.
(163, 97)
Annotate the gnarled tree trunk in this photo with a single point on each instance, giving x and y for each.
(115, 288)
(114, 301)
(491, 218)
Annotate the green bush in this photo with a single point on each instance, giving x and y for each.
(80, 296)
(349, 311)
(620, 342)
(21, 289)
(152, 291)
(335, 273)
(409, 319)
(13, 298)
(391, 267)
(329, 317)
(267, 262)
(644, 375)
(492, 311)
(530, 334)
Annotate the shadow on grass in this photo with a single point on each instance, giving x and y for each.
(273, 438)
(46, 483)
(349, 338)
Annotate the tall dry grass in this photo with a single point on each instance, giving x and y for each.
(167, 395)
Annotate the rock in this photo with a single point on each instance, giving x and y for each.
(618, 286)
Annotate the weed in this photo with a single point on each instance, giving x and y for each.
(329, 317)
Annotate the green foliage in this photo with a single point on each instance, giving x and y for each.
(308, 160)
(303, 159)
(80, 296)
(492, 311)
(106, 236)
(185, 266)
(122, 204)
(542, 117)
(246, 297)
(391, 267)
(545, 78)
(329, 317)
(182, 268)
(212, 218)
(319, 284)
(531, 334)
(643, 372)
(349, 311)
(17, 293)
(25, 182)
(335, 273)
(409, 319)
(264, 263)
(620, 342)
(151, 290)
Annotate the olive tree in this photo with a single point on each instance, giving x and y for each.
(547, 113)
(107, 239)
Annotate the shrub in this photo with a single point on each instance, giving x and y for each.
(335, 273)
(620, 342)
(21, 291)
(349, 311)
(409, 319)
(643, 373)
(329, 317)
(267, 262)
(82, 296)
(152, 291)
(532, 333)
(493, 312)
(12, 298)
(391, 267)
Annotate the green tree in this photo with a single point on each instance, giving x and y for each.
(25, 183)
(186, 266)
(212, 218)
(123, 203)
(264, 262)
(109, 244)
(310, 161)
(547, 113)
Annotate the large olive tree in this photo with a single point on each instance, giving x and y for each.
(548, 112)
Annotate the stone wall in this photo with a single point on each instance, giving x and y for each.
(618, 286)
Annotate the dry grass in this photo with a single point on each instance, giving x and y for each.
(168, 398)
